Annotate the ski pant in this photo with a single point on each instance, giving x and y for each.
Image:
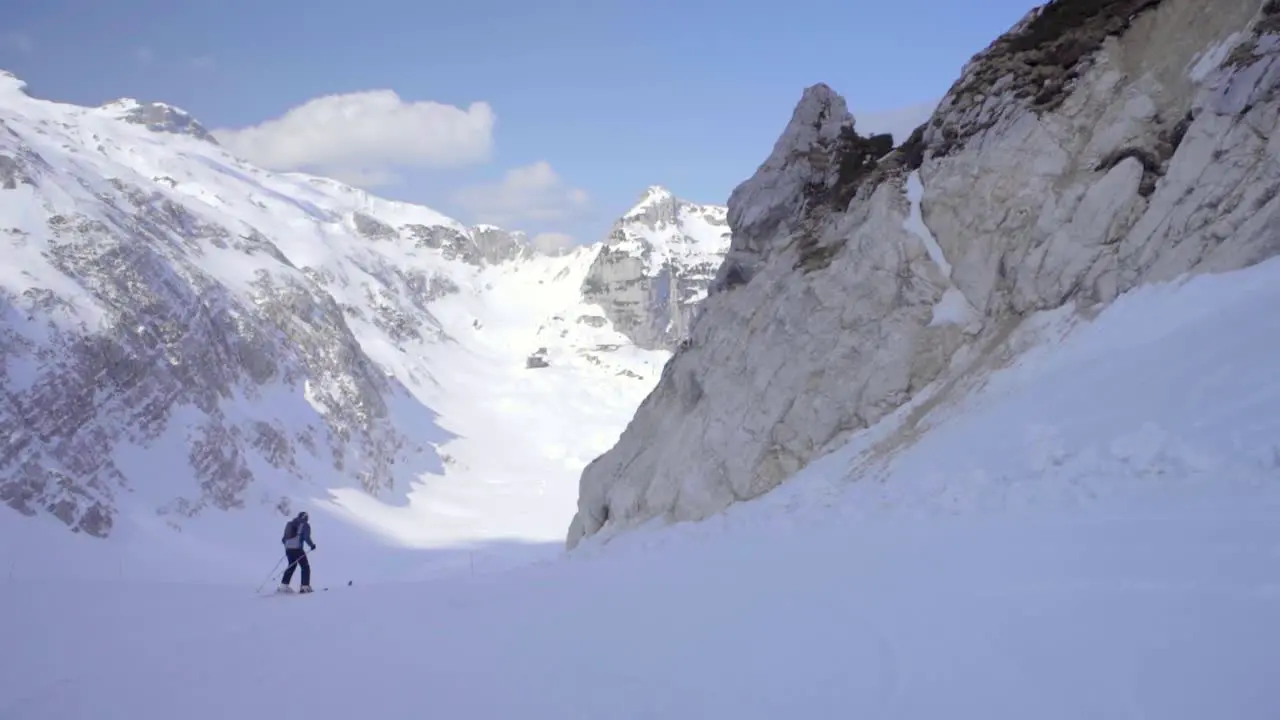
(297, 558)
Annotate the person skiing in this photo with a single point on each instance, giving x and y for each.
(297, 532)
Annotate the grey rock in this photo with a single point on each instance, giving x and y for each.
(537, 360)
(159, 117)
(480, 245)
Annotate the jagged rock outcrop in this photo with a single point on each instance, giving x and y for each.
(538, 359)
(655, 266)
(159, 117)
(1094, 147)
(496, 245)
(481, 245)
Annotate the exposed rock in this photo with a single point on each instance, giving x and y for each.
(372, 228)
(1091, 149)
(159, 117)
(537, 360)
(481, 245)
(496, 245)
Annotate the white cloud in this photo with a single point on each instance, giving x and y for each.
(553, 243)
(532, 192)
(362, 135)
(19, 42)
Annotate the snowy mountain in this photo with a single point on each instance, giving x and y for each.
(656, 265)
(181, 331)
(1091, 150)
(979, 425)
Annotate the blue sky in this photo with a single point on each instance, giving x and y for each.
(584, 104)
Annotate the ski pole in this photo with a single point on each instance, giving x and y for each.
(295, 562)
(270, 575)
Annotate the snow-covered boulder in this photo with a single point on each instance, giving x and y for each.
(1092, 148)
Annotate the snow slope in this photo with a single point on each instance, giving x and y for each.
(182, 333)
(1090, 534)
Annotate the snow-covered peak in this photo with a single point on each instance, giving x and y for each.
(10, 83)
(653, 195)
(663, 228)
(157, 117)
(655, 266)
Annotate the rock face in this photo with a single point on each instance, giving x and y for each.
(655, 266)
(1094, 147)
(159, 117)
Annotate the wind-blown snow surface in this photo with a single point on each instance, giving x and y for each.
(325, 349)
(1090, 534)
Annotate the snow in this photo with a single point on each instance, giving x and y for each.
(954, 309)
(692, 234)
(516, 439)
(915, 224)
(10, 84)
(1091, 533)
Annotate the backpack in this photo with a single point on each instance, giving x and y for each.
(290, 529)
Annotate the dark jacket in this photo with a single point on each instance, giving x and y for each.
(301, 536)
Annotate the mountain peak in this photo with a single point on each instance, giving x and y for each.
(11, 83)
(655, 203)
(655, 193)
(655, 266)
(158, 117)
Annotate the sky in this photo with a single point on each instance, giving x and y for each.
(550, 117)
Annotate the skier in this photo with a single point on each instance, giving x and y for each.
(296, 533)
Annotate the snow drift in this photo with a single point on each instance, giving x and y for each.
(1092, 149)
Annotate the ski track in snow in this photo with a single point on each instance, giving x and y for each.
(1090, 534)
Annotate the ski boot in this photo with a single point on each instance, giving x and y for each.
(286, 589)
(305, 589)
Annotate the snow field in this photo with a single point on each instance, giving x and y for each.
(1091, 533)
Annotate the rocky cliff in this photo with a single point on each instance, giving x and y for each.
(1094, 147)
(655, 266)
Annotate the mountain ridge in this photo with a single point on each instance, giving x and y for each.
(182, 331)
